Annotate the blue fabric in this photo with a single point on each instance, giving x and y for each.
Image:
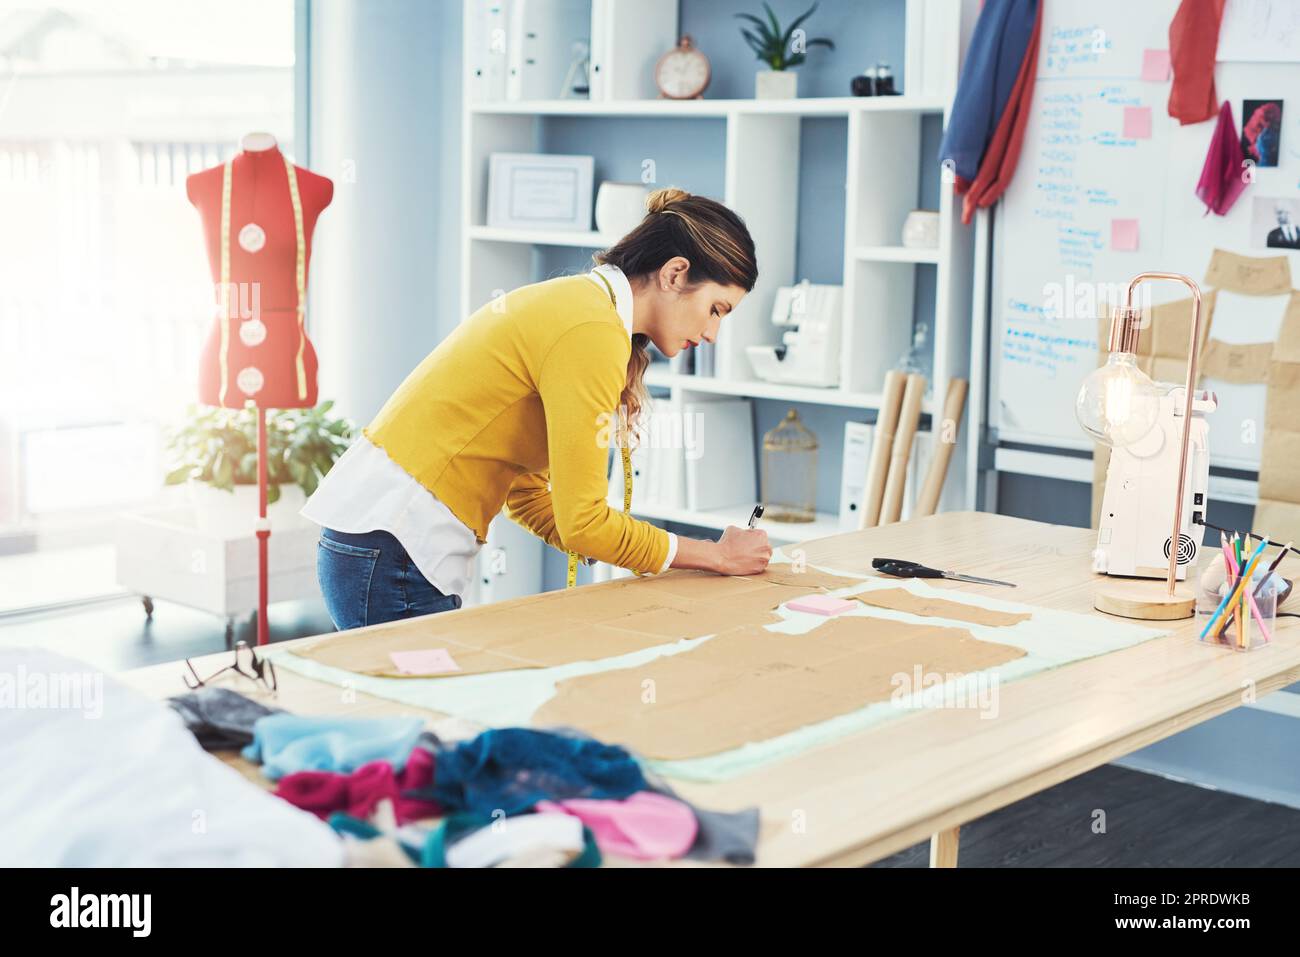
(285, 743)
(511, 769)
(997, 49)
(369, 579)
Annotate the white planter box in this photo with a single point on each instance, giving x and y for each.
(164, 553)
(235, 512)
(776, 85)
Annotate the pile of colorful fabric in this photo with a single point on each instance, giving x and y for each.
(509, 797)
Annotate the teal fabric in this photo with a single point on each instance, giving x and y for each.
(286, 743)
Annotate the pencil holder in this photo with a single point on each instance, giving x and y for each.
(1241, 627)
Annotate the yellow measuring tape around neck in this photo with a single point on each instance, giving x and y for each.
(626, 453)
(300, 275)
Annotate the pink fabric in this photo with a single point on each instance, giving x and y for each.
(1222, 178)
(324, 792)
(646, 826)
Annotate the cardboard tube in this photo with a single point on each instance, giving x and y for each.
(907, 422)
(882, 444)
(953, 404)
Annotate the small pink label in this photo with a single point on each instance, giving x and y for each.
(820, 605)
(1124, 234)
(1137, 122)
(430, 661)
(1155, 66)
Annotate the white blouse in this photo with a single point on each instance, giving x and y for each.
(367, 491)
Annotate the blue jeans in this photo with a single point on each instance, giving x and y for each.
(369, 579)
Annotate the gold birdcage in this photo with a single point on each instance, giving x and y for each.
(789, 477)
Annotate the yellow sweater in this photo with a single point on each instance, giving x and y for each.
(522, 394)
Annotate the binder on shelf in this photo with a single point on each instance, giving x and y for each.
(858, 437)
(627, 40)
(853, 472)
(486, 40)
(543, 35)
(720, 463)
(657, 478)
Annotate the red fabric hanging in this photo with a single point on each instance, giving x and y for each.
(1221, 177)
(1003, 153)
(1193, 42)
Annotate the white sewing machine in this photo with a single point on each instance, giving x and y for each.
(809, 353)
(1133, 530)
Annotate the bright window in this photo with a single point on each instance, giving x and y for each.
(105, 293)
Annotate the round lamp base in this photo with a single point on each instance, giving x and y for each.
(1144, 599)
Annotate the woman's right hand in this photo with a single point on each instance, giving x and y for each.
(743, 551)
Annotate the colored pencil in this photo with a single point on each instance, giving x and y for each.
(1234, 595)
(1243, 618)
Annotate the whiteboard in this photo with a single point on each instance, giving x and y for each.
(1052, 250)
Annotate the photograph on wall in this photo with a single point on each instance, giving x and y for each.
(1261, 130)
(1275, 222)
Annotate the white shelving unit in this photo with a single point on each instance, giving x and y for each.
(882, 164)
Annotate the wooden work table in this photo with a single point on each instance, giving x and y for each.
(922, 775)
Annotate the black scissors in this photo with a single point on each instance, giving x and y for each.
(905, 569)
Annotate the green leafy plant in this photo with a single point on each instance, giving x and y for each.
(772, 46)
(219, 447)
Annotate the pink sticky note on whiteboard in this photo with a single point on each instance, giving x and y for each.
(429, 661)
(1124, 234)
(1155, 66)
(820, 605)
(1137, 122)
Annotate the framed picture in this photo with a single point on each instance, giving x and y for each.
(1261, 131)
(540, 191)
(1275, 222)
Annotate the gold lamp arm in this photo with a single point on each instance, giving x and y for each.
(1123, 337)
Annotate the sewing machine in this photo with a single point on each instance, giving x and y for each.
(809, 352)
(1133, 530)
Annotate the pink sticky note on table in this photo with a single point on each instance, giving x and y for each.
(428, 661)
(1137, 122)
(1155, 66)
(820, 605)
(1124, 234)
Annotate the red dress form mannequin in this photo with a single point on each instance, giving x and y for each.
(257, 224)
(262, 353)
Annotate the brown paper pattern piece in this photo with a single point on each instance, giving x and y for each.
(1242, 364)
(750, 684)
(900, 599)
(581, 624)
(811, 578)
(1251, 275)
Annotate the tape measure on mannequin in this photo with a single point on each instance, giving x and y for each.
(300, 277)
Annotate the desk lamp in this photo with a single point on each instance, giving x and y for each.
(1153, 438)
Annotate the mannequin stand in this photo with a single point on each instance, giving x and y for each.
(263, 531)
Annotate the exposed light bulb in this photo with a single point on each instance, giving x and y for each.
(1117, 403)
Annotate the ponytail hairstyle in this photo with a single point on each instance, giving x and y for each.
(710, 236)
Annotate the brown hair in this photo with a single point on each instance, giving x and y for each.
(711, 237)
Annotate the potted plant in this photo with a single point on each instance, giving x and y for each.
(215, 452)
(775, 48)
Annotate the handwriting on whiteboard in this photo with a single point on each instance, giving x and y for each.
(1069, 48)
